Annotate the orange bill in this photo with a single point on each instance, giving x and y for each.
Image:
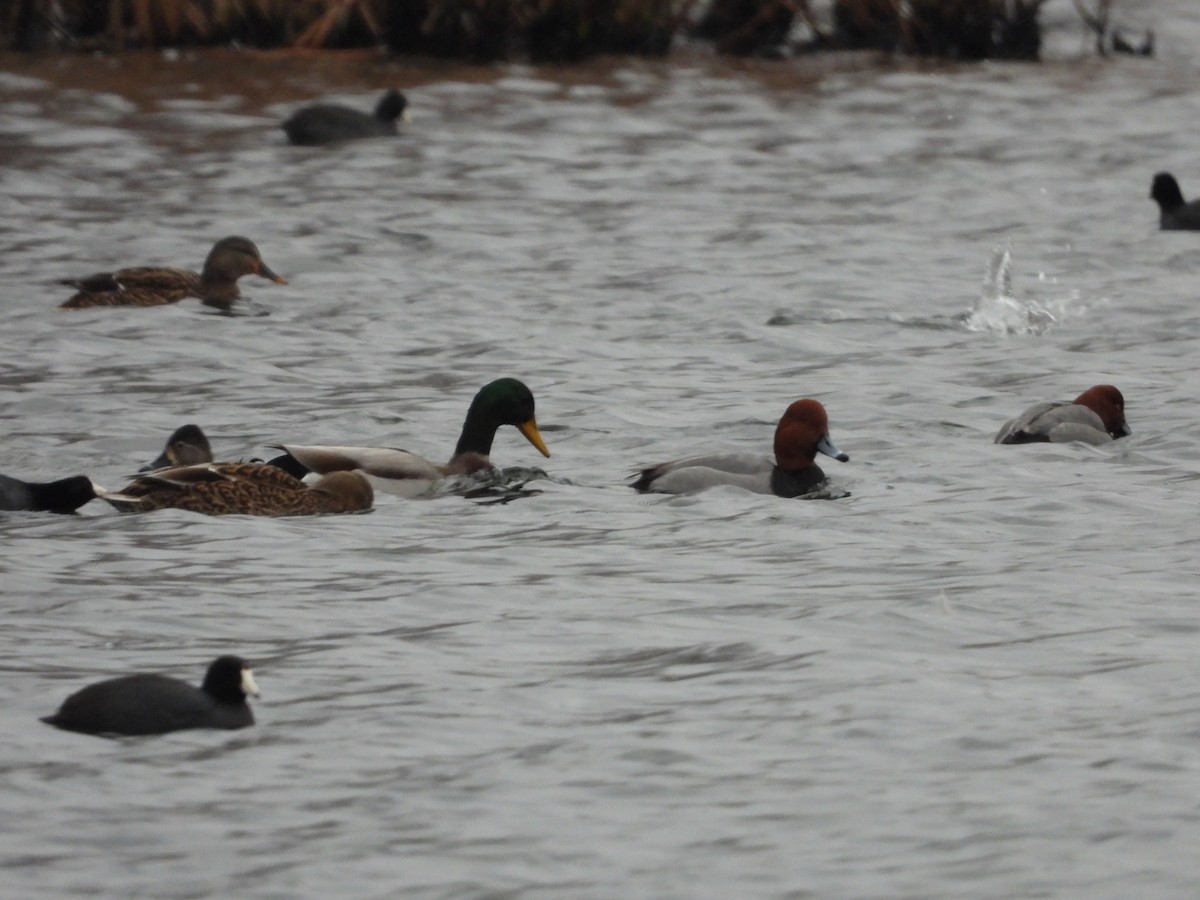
(530, 430)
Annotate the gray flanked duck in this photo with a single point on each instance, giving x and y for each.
(801, 434)
(1097, 416)
(505, 401)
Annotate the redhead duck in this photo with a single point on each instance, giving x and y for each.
(156, 704)
(248, 489)
(801, 434)
(505, 401)
(63, 496)
(1096, 416)
(1174, 213)
(229, 259)
(324, 123)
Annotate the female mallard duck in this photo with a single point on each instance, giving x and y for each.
(248, 489)
(187, 446)
(63, 496)
(801, 434)
(156, 704)
(324, 123)
(229, 259)
(1097, 416)
(505, 401)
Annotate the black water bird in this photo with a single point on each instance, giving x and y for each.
(157, 704)
(1175, 214)
(325, 123)
(63, 496)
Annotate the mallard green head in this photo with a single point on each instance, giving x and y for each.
(505, 401)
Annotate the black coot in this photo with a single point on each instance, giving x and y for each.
(324, 123)
(63, 496)
(156, 704)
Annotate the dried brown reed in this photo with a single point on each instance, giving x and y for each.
(557, 30)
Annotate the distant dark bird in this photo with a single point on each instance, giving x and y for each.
(247, 489)
(156, 704)
(324, 123)
(1120, 45)
(1096, 416)
(1174, 213)
(186, 446)
(63, 496)
(229, 259)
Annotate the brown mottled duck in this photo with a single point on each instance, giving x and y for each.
(229, 259)
(248, 489)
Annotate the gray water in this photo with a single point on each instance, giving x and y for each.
(975, 676)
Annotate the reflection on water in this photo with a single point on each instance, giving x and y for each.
(973, 665)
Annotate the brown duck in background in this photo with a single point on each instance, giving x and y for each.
(248, 489)
(229, 259)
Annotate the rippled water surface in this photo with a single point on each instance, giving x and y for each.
(974, 676)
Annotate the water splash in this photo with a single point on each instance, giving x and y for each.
(490, 486)
(997, 310)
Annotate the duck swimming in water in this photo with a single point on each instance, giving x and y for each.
(248, 489)
(216, 285)
(505, 401)
(801, 434)
(1097, 416)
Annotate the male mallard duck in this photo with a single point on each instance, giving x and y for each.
(1174, 214)
(1096, 416)
(63, 496)
(249, 489)
(156, 704)
(801, 434)
(187, 446)
(505, 401)
(324, 123)
(229, 259)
